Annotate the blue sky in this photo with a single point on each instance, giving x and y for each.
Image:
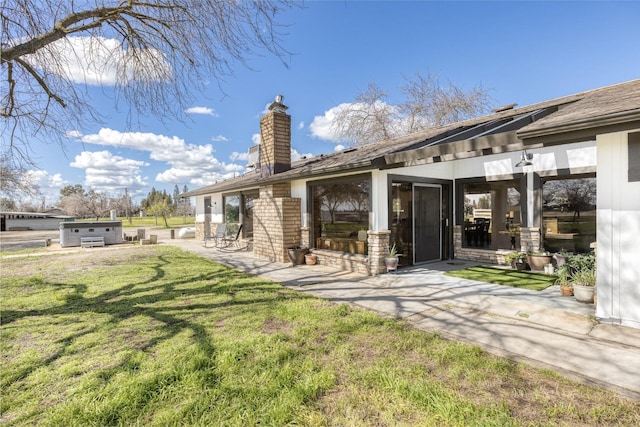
(522, 52)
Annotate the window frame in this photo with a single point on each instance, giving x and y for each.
(329, 181)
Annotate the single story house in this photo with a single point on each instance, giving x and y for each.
(558, 175)
(16, 221)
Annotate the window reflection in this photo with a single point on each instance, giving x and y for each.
(232, 212)
(340, 212)
(492, 215)
(569, 214)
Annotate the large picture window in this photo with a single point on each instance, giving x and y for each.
(569, 214)
(492, 216)
(248, 200)
(232, 212)
(238, 209)
(340, 214)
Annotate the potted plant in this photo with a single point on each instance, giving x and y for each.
(391, 260)
(310, 258)
(517, 260)
(584, 283)
(563, 280)
(296, 253)
(537, 260)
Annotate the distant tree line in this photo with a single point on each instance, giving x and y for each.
(75, 200)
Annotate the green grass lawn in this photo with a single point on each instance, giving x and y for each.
(152, 221)
(153, 336)
(508, 277)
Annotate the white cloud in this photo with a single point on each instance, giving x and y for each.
(201, 177)
(49, 187)
(244, 156)
(109, 173)
(255, 138)
(301, 125)
(219, 138)
(201, 110)
(190, 163)
(99, 61)
(265, 110)
(321, 127)
(73, 134)
(339, 147)
(297, 156)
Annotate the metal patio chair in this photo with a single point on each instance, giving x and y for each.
(232, 240)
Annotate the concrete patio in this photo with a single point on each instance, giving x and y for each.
(539, 328)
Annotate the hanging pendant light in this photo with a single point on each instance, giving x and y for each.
(525, 159)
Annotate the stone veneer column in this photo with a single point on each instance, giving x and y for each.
(530, 239)
(378, 242)
(305, 237)
(457, 240)
(200, 230)
(276, 223)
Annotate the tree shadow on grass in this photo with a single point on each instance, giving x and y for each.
(159, 297)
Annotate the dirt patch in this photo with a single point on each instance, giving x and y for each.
(56, 262)
(273, 326)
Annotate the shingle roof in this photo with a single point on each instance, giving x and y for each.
(612, 103)
(582, 108)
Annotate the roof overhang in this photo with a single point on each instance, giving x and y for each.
(497, 136)
(581, 130)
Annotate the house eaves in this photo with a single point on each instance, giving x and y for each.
(609, 109)
(489, 137)
(348, 161)
(572, 118)
(581, 130)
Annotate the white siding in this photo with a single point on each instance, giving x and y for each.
(618, 234)
(34, 223)
(547, 161)
(216, 208)
(378, 218)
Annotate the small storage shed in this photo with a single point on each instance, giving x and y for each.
(71, 233)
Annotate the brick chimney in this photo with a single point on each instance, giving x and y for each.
(277, 217)
(275, 139)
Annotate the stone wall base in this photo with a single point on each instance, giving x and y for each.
(530, 239)
(343, 261)
(378, 249)
(483, 255)
(199, 230)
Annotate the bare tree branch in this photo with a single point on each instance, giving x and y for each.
(370, 118)
(155, 54)
(15, 181)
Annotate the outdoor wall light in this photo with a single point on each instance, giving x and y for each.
(525, 159)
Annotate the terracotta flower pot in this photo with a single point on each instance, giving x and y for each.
(311, 259)
(566, 291)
